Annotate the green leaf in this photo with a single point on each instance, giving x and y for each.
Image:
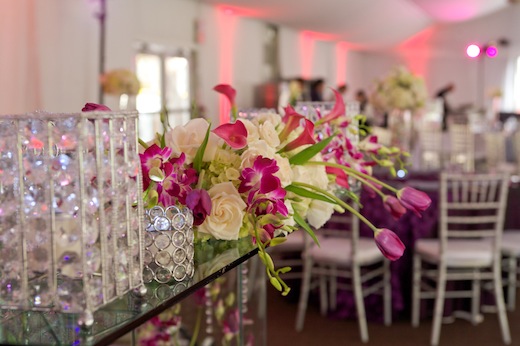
(308, 153)
(309, 194)
(303, 224)
(197, 161)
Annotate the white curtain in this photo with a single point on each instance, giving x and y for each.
(20, 87)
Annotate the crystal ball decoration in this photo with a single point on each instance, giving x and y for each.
(69, 231)
(168, 240)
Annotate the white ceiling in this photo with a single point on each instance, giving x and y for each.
(362, 23)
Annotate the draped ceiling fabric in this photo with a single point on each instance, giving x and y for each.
(19, 60)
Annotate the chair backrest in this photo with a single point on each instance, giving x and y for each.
(472, 206)
(343, 225)
(495, 149)
(516, 149)
(462, 146)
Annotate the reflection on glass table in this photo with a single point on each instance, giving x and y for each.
(212, 260)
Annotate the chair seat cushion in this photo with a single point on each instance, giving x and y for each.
(511, 243)
(459, 253)
(338, 251)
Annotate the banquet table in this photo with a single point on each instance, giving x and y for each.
(409, 228)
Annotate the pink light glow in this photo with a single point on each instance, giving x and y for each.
(491, 51)
(473, 51)
(417, 51)
(306, 46)
(226, 23)
(341, 62)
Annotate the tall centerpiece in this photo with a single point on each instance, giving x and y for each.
(400, 95)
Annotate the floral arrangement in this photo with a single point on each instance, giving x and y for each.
(400, 89)
(120, 81)
(269, 176)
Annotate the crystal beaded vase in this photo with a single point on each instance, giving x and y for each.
(70, 210)
(168, 241)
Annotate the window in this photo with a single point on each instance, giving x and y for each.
(165, 84)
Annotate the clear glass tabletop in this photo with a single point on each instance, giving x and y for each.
(212, 259)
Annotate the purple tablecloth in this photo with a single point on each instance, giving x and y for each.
(409, 228)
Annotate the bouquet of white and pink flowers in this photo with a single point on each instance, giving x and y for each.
(400, 89)
(269, 176)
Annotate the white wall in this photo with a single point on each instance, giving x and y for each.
(49, 51)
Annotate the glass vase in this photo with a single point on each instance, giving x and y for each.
(168, 241)
(400, 125)
(70, 239)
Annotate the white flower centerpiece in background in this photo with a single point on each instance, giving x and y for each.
(122, 83)
(400, 94)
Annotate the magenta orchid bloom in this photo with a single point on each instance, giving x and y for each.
(291, 120)
(235, 135)
(389, 244)
(414, 200)
(177, 182)
(199, 202)
(337, 111)
(153, 160)
(94, 107)
(266, 195)
(306, 137)
(394, 207)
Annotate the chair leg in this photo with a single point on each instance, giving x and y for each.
(304, 293)
(360, 304)
(387, 294)
(333, 287)
(439, 305)
(511, 283)
(416, 290)
(475, 298)
(501, 306)
(323, 294)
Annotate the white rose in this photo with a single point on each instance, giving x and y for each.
(188, 138)
(319, 213)
(227, 212)
(252, 131)
(273, 118)
(258, 148)
(268, 134)
(313, 175)
(285, 173)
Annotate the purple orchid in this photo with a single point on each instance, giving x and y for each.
(199, 202)
(152, 159)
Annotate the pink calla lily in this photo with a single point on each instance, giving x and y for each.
(337, 111)
(228, 91)
(292, 120)
(341, 176)
(306, 137)
(235, 135)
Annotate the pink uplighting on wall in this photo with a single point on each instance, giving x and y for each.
(341, 62)
(306, 47)
(417, 51)
(226, 23)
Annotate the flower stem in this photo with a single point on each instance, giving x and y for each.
(353, 172)
(196, 329)
(338, 201)
(143, 143)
